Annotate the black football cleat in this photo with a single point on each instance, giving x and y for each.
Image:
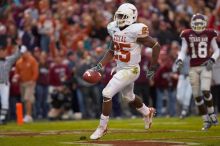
(214, 119)
(3, 122)
(206, 125)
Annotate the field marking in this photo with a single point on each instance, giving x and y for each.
(163, 123)
(99, 142)
(82, 143)
(112, 130)
(151, 131)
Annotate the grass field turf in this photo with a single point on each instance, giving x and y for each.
(62, 133)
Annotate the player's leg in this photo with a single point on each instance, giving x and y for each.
(137, 103)
(180, 89)
(194, 75)
(187, 94)
(4, 93)
(120, 80)
(206, 77)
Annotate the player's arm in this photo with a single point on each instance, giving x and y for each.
(12, 59)
(209, 63)
(109, 55)
(182, 55)
(151, 43)
(183, 50)
(215, 48)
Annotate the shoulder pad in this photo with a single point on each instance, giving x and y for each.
(185, 32)
(212, 32)
(141, 30)
(111, 27)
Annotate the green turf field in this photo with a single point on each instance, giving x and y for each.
(61, 133)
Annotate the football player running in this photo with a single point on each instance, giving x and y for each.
(197, 43)
(127, 38)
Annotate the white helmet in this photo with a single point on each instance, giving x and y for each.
(126, 15)
(198, 22)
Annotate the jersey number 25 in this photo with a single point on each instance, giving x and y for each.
(122, 55)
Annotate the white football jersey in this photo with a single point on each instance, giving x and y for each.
(127, 52)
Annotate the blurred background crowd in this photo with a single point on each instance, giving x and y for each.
(66, 37)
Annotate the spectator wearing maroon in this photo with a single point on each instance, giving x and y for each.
(165, 86)
(58, 72)
(41, 104)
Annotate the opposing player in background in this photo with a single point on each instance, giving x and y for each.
(197, 43)
(127, 38)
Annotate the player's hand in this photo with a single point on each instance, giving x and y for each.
(209, 63)
(179, 65)
(98, 67)
(151, 71)
(22, 48)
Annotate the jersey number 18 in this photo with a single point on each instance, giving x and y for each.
(202, 51)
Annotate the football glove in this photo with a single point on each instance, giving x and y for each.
(209, 63)
(179, 65)
(98, 67)
(151, 71)
(22, 48)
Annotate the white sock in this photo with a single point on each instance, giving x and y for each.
(2, 117)
(205, 118)
(210, 110)
(103, 121)
(3, 113)
(144, 110)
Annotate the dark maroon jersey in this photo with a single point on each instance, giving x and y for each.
(58, 74)
(198, 45)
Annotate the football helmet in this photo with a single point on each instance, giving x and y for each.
(126, 15)
(198, 22)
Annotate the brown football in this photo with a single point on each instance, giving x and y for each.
(92, 76)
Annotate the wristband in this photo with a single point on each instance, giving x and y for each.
(99, 66)
(213, 60)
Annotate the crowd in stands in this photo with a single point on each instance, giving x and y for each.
(66, 37)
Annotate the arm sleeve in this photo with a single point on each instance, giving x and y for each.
(12, 59)
(183, 50)
(110, 28)
(215, 48)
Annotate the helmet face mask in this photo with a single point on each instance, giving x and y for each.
(198, 23)
(120, 19)
(125, 15)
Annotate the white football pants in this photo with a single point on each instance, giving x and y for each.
(122, 81)
(184, 90)
(4, 95)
